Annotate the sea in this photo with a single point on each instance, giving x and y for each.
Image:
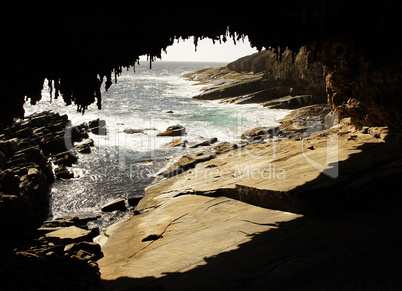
(122, 165)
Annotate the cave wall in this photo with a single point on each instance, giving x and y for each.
(80, 45)
(366, 89)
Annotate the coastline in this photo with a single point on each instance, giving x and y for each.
(35, 151)
(258, 214)
(225, 206)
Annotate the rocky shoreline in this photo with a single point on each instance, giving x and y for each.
(278, 210)
(269, 202)
(261, 78)
(33, 152)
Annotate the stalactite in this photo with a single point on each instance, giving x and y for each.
(50, 85)
(108, 82)
(195, 42)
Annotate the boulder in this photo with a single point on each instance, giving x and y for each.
(96, 123)
(118, 204)
(98, 126)
(79, 132)
(174, 130)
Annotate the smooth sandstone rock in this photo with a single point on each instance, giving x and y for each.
(189, 229)
(68, 235)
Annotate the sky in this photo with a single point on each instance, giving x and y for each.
(207, 51)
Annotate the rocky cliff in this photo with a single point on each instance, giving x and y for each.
(264, 78)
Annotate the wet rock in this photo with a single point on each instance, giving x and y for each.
(96, 123)
(84, 148)
(174, 130)
(66, 158)
(132, 131)
(205, 143)
(118, 204)
(62, 172)
(98, 126)
(178, 143)
(79, 132)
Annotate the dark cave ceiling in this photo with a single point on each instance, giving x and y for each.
(79, 45)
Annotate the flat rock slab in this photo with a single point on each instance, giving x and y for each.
(300, 176)
(182, 241)
(182, 233)
(69, 234)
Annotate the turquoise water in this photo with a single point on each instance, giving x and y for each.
(121, 164)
